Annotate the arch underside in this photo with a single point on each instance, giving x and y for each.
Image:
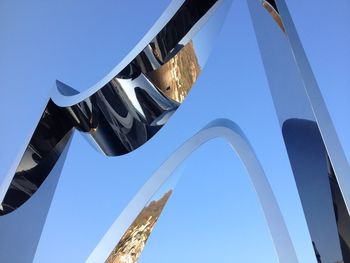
(220, 128)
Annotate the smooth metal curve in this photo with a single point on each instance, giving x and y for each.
(220, 128)
(128, 108)
(319, 165)
(176, 8)
(324, 121)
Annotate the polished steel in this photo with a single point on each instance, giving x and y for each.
(133, 241)
(133, 102)
(220, 128)
(325, 210)
(124, 113)
(271, 7)
(21, 230)
(308, 132)
(324, 121)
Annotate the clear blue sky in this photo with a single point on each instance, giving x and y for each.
(214, 215)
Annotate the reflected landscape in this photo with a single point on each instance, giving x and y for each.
(296, 100)
(127, 107)
(126, 112)
(133, 241)
(177, 76)
(271, 7)
(234, 136)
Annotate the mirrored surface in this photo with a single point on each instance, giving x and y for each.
(205, 220)
(325, 210)
(127, 111)
(300, 124)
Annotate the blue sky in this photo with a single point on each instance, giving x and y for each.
(79, 42)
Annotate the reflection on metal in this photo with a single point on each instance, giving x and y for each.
(21, 230)
(341, 214)
(133, 241)
(324, 121)
(271, 7)
(221, 128)
(37, 165)
(124, 113)
(177, 76)
(323, 204)
(125, 109)
(319, 165)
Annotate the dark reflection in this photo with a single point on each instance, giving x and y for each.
(166, 44)
(272, 3)
(271, 7)
(323, 204)
(318, 256)
(37, 162)
(123, 114)
(341, 214)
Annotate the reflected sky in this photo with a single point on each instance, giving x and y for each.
(127, 111)
(206, 219)
(213, 96)
(29, 49)
(326, 38)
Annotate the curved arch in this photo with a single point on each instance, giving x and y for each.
(220, 128)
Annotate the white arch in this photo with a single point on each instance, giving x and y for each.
(228, 130)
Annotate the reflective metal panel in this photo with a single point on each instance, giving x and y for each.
(302, 114)
(319, 191)
(22, 229)
(127, 111)
(271, 7)
(134, 239)
(335, 151)
(221, 128)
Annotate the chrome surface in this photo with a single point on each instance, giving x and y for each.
(329, 135)
(220, 128)
(133, 102)
(132, 243)
(21, 230)
(309, 135)
(325, 210)
(271, 7)
(124, 113)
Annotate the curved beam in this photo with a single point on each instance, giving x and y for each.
(318, 162)
(183, 30)
(129, 106)
(324, 121)
(221, 128)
